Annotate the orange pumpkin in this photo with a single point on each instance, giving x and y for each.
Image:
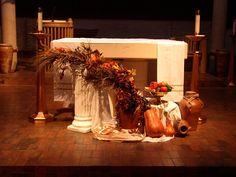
(153, 125)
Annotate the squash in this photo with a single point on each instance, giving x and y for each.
(169, 131)
(153, 125)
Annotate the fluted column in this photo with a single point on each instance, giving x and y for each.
(8, 14)
(83, 99)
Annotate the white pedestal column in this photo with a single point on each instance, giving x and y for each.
(83, 99)
(8, 14)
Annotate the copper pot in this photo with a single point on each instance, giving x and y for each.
(6, 56)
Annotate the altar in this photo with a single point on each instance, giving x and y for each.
(135, 54)
(109, 98)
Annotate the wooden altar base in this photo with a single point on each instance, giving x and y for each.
(50, 150)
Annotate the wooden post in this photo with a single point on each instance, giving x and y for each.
(196, 39)
(195, 72)
(231, 63)
(203, 48)
(41, 115)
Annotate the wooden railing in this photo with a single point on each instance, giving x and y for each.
(56, 29)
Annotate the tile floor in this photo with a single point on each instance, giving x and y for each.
(50, 150)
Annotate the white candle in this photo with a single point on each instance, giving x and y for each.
(197, 22)
(40, 20)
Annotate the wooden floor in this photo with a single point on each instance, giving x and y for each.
(50, 150)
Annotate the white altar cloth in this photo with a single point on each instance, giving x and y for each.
(111, 134)
(170, 56)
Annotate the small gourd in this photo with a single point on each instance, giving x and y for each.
(169, 130)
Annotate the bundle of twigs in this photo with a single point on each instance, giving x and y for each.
(62, 59)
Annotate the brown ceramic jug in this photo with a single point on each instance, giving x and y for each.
(181, 127)
(190, 107)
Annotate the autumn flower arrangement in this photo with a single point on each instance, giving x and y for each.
(95, 70)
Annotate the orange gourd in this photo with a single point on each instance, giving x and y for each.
(153, 125)
(169, 131)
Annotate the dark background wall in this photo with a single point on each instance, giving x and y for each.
(119, 9)
(122, 9)
(121, 18)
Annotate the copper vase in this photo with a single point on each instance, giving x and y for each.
(190, 107)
